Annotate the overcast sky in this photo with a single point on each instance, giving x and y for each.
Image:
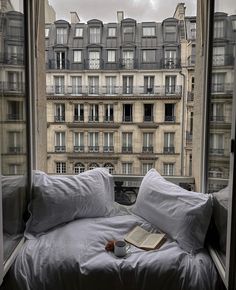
(141, 10)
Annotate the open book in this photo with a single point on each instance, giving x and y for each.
(145, 240)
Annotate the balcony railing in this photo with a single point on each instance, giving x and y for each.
(108, 148)
(78, 148)
(170, 118)
(12, 58)
(169, 150)
(108, 119)
(170, 63)
(127, 149)
(93, 118)
(222, 59)
(15, 149)
(217, 118)
(222, 88)
(12, 87)
(128, 63)
(155, 91)
(60, 148)
(78, 118)
(148, 118)
(216, 151)
(59, 118)
(127, 119)
(14, 117)
(147, 149)
(58, 65)
(93, 148)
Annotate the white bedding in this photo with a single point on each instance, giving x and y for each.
(72, 257)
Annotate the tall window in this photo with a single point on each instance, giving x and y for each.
(168, 169)
(111, 85)
(149, 31)
(148, 113)
(77, 55)
(147, 142)
(59, 113)
(79, 112)
(149, 55)
(146, 167)
(128, 34)
(95, 35)
(218, 55)
(15, 142)
(216, 144)
(169, 112)
(59, 84)
(127, 142)
(93, 142)
(78, 32)
(60, 60)
(15, 81)
(109, 113)
(169, 147)
(218, 29)
(127, 84)
(76, 82)
(111, 56)
(170, 86)
(170, 59)
(127, 112)
(148, 84)
(15, 110)
(60, 167)
(78, 142)
(60, 142)
(128, 59)
(93, 113)
(61, 35)
(93, 85)
(94, 60)
(218, 82)
(170, 33)
(127, 168)
(217, 112)
(108, 142)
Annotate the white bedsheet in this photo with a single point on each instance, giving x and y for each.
(72, 257)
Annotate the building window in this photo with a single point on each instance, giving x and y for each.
(127, 142)
(109, 113)
(111, 56)
(169, 112)
(16, 28)
(110, 167)
(60, 167)
(60, 142)
(15, 54)
(148, 84)
(127, 84)
(147, 142)
(111, 32)
(148, 113)
(149, 55)
(15, 169)
(146, 167)
(127, 113)
(79, 168)
(93, 166)
(15, 110)
(218, 55)
(128, 59)
(218, 82)
(149, 31)
(77, 55)
(93, 85)
(170, 84)
(78, 112)
(128, 34)
(170, 59)
(108, 142)
(59, 85)
(216, 144)
(15, 142)
(78, 142)
(170, 33)
(59, 113)
(217, 112)
(219, 29)
(46, 32)
(15, 81)
(93, 113)
(78, 32)
(168, 169)
(111, 85)
(76, 83)
(193, 30)
(95, 35)
(93, 142)
(169, 147)
(127, 168)
(61, 35)
(60, 60)
(94, 60)
(234, 24)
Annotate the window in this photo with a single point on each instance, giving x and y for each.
(148, 84)
(193, 30)
(60, 167)
(77, 55)
(15, 54)
(46, 32)
(76, 82)
(127, 84)
(108, 142)
(78, 142)
(170, 85)
(218, 82)
(170, 33)
(169, 143)
(15, 28)
(148, 31)
(170, 59)
(95, 35)
(15, 81)
(93, 113)
(59, 113)
(147, 142)
(61, 35)
(93, 142)
(149, 55)
(110, 167)
(128, 59)
(148, 113)
(218, 55)
(79, 168)
(234, 24)
(128, 34)
(111, 85)
(168, 169)
(78, 32)
(60, 60)
(93, 85)
(146, 167)
(93, 165)
(169, 113)
(109, 113)
(94, 60)
(127, 168)
(127, 113)
(111, 32)
(219, 29)
(79, 112)
(217, 112)
(15, 110)
(15, 142)
(111, 56)
(216, 144)
(59, 84)
(15, 169)
(60, 145)
(127, 142)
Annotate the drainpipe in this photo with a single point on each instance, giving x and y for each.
(183, 127)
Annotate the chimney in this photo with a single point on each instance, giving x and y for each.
(74, 18)
(120, 16)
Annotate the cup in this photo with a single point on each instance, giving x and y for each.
(120, 248)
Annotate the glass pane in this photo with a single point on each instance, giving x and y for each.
(13, 148)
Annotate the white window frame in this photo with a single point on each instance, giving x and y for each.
(111, 31)
(168, 169)
(127, 168)
(79, 32)
(77, 55)
(149, 31)
(94, 35)
(46, 31)
(111, 55)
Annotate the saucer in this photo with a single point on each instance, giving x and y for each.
(128, 253)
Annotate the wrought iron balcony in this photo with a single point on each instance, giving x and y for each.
(217, 118)
(93, 148)
(108, 119)
(127, 119)
(12, 58)
(222, 59)
(14, 117)
(169, 150)
(148, 149)
(128, 63)
(58, 65)
(170, 118)
(78, 118)
(170, 63)
(148, 118)
(108, 148)
(12, 87)
(59, 118)
(78, 148)
(94, 63)
(93, 118)
(225, 88)
(127, 149)
(60, 148)
(15, 149)
(216, 151)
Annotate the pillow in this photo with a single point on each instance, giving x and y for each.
(183, 215)
(60, 199)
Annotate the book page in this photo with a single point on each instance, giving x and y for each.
(152, 240)
(136, 236)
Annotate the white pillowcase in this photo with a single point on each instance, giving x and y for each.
(181, 214)
(59, 199)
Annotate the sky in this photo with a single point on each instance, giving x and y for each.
(140, 10)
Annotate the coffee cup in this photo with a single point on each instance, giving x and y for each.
(120, 248)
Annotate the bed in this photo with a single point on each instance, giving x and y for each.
(66, 238)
